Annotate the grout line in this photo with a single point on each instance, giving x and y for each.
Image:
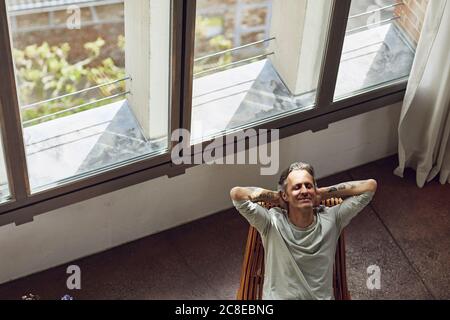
(398, 245)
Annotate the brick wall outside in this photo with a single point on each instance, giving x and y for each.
(412, 14)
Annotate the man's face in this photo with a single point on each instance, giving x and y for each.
(300, 191)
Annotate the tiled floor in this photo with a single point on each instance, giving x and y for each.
(404, 231)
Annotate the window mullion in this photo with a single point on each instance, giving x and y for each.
(184, 38)
(188, 62)
(333, 52)
(175, 67)
(15, 158)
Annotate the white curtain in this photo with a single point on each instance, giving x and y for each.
(424, 127)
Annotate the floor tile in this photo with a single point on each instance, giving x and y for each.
(418, 219)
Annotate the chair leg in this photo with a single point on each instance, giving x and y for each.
(340, 273)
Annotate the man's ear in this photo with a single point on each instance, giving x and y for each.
(284, 196)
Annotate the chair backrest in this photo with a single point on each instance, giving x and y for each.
(252, 274)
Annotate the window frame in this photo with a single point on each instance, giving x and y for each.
(326, 110)
(23, 206)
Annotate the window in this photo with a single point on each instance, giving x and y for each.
(232, 90)
(377, 48)
(84, 101)
(92, 89)
(247, 66)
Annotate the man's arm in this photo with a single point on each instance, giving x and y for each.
(346, 189)
(258, 195)
(358, 193)
(254, 195)
(244, 200)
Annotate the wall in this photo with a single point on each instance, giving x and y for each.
(101, 223)
(412, 15)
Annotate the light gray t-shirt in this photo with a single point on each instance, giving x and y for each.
(299, 262)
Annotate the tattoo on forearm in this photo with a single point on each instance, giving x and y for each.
(267, 197)
(341, 187)
(259, 195)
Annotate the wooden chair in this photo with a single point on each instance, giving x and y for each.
(252, 274)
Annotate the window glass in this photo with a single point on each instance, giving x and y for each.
(247, 67)
(379, 44)
(74, 87)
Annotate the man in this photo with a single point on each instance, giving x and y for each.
(300, 237)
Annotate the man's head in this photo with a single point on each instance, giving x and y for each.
(298, 186)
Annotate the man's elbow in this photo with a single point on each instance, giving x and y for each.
(372, 185)
(235, 193)
(240, 194)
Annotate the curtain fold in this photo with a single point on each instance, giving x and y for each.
(424, 127)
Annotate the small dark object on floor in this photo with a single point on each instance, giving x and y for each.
(31, 296)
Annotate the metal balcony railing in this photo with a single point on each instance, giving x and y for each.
(376, 10)
(395, 17)
(261, 56)
(33, 105)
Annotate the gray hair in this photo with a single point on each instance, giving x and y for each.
(282, 183)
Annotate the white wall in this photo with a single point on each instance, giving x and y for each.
(147, 34)
(101, 223)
